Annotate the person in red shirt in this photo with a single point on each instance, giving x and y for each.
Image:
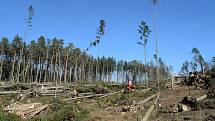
(130, 85)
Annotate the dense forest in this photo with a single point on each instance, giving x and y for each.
(50, 60)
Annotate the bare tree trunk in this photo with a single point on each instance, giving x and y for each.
(27, 73)
(31, 74)
(83, 71)
(89, 72)
(66, 66)
(40, 73)
(75, 71)
(46, 70)
(92, 73)
(79, 73)
(97, 63)
(146, 71)
(70, 74)
(37, 69)
(96, 70)
(107, 74)
(156, 38)
(24, 66)
(52, 66)
(2, 61)
(12, 70)
(103, 71)
(60, 69)
(202, 69)
(122, 72)
(117, 75)
(55, 67)
(18, 67)
(19, 63)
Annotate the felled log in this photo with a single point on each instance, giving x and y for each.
(149, 111)
(49, 94)
(5, 86)
(25, 110)
(148, 89)
(110, 94)
(82, 97)
(21, 107)
(193, 102)
(201, 98)
(53, 88)
(8, 92)
(147, 99)
(37, 110)
(82, 94)
(50, 91)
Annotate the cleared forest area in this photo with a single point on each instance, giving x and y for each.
(45, 79)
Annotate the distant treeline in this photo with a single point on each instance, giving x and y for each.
(49, 60)
(198, 64)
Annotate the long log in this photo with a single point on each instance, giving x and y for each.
(9, 92)
(50, 91)
(149, 111)
(147, 99)
(148, 89)
(201, 98)
(53, 88)
(89, 96)
(21, 107)
(110, 94)
(49, 94)
(85, 94)
(25, 110)
(6, 86)
(38, 110)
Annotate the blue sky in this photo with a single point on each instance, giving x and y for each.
(182, 25)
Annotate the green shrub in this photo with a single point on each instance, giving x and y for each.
(8, 116)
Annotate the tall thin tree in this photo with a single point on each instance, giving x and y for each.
(155, 2)
(100, 32)
(144, 32)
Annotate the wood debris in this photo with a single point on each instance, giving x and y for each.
(26, 110)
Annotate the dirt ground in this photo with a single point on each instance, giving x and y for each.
(114, 113)
(167, 98)
(110, 108)
(171, 97)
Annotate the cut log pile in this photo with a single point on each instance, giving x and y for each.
(50, 90)
(26, 110)
(73, 91)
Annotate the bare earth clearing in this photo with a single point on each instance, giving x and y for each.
(108, 103)
(167, 99)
